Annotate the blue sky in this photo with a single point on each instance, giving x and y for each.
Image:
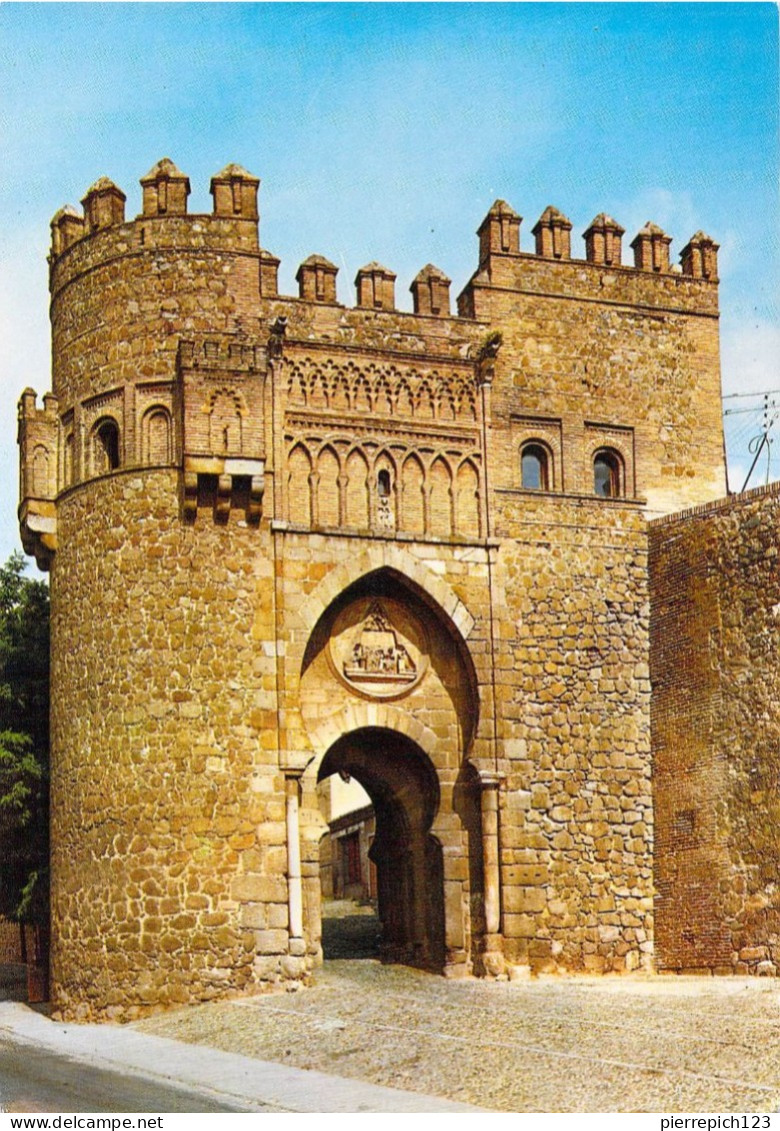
(385, 131)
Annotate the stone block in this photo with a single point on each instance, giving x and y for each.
(271, 941)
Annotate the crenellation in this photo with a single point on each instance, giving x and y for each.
(375, 287)
(316, 278)
(699, 257)
(165, 190)
(553, 234)
(603, 241)
(499, 232)
(651, 248)
(104, 206)
(38, 438)
(235, 193)
(431, 292)
(268, 275)
(67, 226)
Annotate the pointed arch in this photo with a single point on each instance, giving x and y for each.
(361, 401)
(328, 473)
(226, 410)
(68, 460)
(445, 400)
(299, 486)
(357, 500)
(465, 402)
(404, 405)
(409, 569)
(412, 517)
(317, 391)
(440, 499)
(40, 471)
(467, 500)
(339, 391)
(296, 387)
(424, 407)
(384, 489)
(382, 402)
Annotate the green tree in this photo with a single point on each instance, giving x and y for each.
(24, 750)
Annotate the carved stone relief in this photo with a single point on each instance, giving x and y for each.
(377, 649)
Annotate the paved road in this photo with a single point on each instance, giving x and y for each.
(31, 1080)
(579, 1044)
(167, 1074)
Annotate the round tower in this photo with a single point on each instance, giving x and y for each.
(161, 766)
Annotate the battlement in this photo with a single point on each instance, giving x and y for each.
(101, 233)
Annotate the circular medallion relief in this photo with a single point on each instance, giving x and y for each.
(377, 648)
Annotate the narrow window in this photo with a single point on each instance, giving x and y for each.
(68, 469)
(383, 484)
(607, 479)
(534, 468)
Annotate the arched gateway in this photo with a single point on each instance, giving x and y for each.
(388, 697)
(403, 786)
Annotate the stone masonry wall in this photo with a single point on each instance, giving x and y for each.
(573, 701)
(715, 595)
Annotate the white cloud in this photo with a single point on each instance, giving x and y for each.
(673, 211)
(750, 356)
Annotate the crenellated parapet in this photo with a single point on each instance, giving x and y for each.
(503, 263)
(316, 279)
(553, 234)
(603, 241)
(235, 193)
(38, 432)
(375, 287)
(86, 242)
(651, 248)
(700, 257)
(104, 206)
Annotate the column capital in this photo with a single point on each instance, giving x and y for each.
(491, 779)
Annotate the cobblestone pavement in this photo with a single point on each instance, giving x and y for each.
(632, 1043)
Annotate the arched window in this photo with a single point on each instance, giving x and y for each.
(105, 447)
(607, 474)
(383, 484)
(534, 468)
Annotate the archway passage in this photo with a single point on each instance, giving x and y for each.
(404, 790)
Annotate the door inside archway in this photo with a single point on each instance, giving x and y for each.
(404, 791)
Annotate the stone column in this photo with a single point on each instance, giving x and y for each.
(493, 958)
(294, 882)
